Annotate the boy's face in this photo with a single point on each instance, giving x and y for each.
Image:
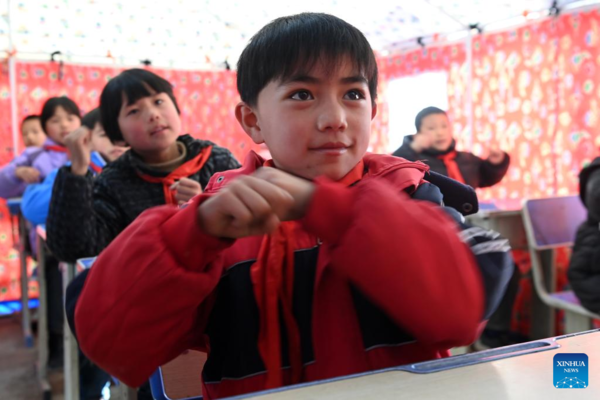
(33, 135)
(314, 124)
(437, 127)
(102, 144)
(150, 125)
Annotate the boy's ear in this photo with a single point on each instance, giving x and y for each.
(374, 111)
(248, 120)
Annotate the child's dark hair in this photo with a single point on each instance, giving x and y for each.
(90, 119)
(52, 104)
(134, 84)
(426, 112)
(30, 118)
(293, 45)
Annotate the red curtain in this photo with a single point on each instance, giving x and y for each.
(535, 94)
(450, 59)
(9, 258)
(206, 101)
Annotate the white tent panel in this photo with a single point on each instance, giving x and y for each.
(203, 34)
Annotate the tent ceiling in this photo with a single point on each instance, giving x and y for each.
(201, 34)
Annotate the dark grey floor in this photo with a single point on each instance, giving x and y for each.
(17, 366)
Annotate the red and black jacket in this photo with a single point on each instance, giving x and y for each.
(379, 280)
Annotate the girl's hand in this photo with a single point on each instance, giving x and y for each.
(496, 156)
(79, 143)
(27, 174)
(186, 189)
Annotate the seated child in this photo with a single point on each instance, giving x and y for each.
(162, 167)
(138, 108)
(36, 199)
(60, 116)
(584, 268)
(99, 140)
(311, 265)
(35, 204)
(32, 132)
(433, 144)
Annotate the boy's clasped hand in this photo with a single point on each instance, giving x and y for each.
(255, 204)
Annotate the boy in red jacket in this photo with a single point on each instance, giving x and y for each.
(311, 265)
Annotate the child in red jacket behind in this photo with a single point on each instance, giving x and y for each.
(311, 265)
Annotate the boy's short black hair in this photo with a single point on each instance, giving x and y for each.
(52, 104)
(426, 112)
(90, 119)
(30, 118)
(294, 44)
(134, 84)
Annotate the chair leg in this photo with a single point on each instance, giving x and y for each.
(124, 392)
(575, 322)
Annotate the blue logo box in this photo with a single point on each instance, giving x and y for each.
(571, 371)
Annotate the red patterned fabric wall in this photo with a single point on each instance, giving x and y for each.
(535, 94)
(206, 101)
(448, 58)
(578, 134)
(9, 261)
(540, 103)
(515, 106)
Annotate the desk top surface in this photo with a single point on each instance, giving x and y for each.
(528, 376)
(500, 208)
(14, 205)
(86, 263)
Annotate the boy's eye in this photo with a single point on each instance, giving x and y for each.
(355, 95)
(158, 102)
(302, 95)
(132, 111)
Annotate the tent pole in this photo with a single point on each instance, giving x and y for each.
(469, 60)
(12, 76)
(469, 99)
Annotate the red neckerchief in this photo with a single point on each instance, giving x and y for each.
(272, 277)
(55, 147)
(186, 169)
(452, 166)
(96, 168)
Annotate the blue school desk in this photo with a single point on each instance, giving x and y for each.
(524, 375)
(14, 207)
